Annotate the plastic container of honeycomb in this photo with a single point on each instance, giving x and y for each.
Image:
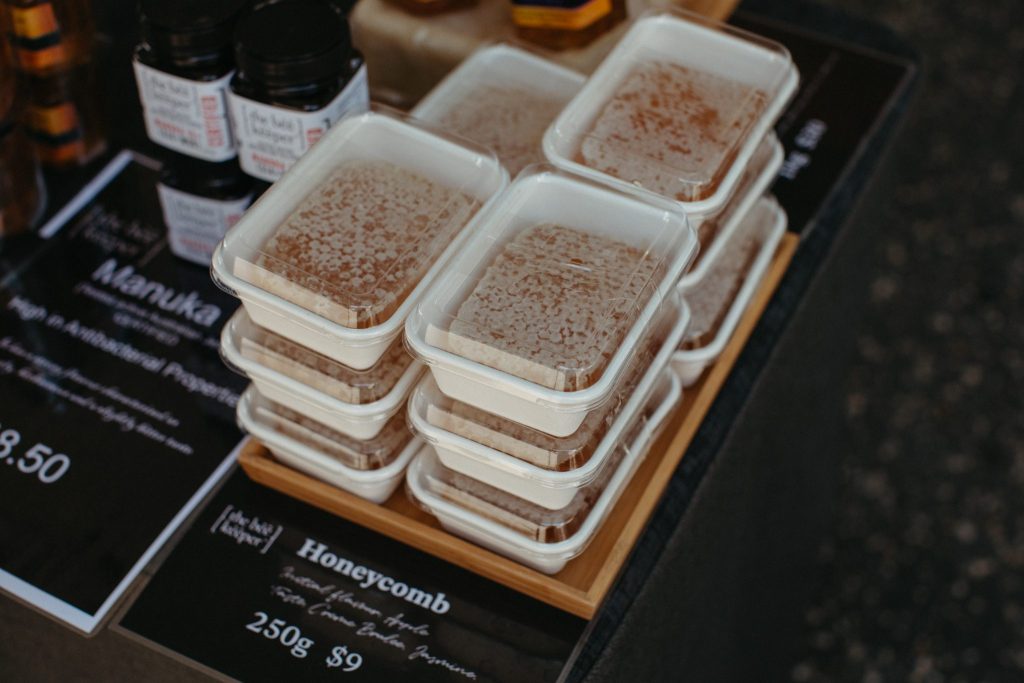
(487, 459)
(357, 403)
(370, 469)
(561, 282)
(530, 445)
(678, 108)
(719, 299)
(533, 535)
(336, 253)
(504, 98)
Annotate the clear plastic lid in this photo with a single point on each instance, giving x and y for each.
(558, 286)
(352, 229)
(535, 446)
(504, 98)
(353, 453)
(538, 523)
(676, 108)
(522, 516)
(763, 161)
(315, 370)
(712, 298)
(550, 488)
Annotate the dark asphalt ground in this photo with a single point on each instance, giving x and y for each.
(922, 578)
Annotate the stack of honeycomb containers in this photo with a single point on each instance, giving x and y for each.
(548, 339)
(328, 264)
(685, 107)
(506, 465)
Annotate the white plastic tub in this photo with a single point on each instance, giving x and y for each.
(742, 82)
(277, 262)
(556, 453)
(546, 557)
(714, 232)
(377, 484)
(504, 98)
(552, 489)
(596, 262)
(291, 383)
(723, 295)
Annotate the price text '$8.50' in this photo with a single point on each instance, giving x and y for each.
(39, 459)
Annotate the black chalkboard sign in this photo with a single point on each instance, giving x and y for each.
(266, 588)
(116, 413)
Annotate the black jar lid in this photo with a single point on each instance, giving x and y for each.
(218, 180)
(292, 42)
(188, 29)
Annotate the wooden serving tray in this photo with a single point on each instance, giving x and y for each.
(582, 585)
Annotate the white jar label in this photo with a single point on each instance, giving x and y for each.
(187, 116)
(271, 139)
(196, 225)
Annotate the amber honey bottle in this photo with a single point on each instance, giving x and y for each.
(50, 35)
(63, 117)
(565, 24)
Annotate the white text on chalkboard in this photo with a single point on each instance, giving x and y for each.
(317, 552)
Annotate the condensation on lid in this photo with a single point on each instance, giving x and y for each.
(315, 370)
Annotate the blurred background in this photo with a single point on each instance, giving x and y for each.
(922, 578)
